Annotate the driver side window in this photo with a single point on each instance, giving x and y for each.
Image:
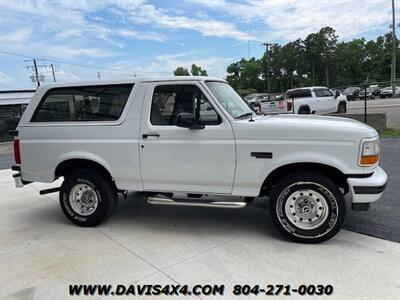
(170, 100)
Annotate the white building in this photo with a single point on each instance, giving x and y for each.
(12, 105)
(14, 97)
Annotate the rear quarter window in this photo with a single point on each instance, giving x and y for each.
(83, 103)
(303, 93)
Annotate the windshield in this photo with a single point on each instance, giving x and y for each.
(229, 99)
(350, 89)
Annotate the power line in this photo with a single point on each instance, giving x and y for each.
(83, 66)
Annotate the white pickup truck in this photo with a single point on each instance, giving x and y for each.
(188, 140)
(315, 100)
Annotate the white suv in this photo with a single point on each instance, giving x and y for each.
(315, 100)
(187, 140)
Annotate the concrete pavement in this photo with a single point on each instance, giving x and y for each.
(41, 252)
(381, 220)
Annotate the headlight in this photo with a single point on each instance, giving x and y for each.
(370, 151)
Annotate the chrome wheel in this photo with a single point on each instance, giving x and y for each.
(83, 199)
(306, 209)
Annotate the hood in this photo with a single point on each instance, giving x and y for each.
(310, 127)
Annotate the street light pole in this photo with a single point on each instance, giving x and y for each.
(268, 72)
(393, 69)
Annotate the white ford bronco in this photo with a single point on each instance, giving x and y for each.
(188, 141)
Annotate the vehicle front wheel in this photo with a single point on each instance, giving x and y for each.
(87, 198)
(307, 207)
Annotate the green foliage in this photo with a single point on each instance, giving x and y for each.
(181, 72)
(195, 70)
(390, 133)
(198, 71)
(246, 74)
(319, 59)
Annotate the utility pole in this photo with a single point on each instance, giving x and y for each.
(35, 78)
(267, 57)
(36, 72)
(393, 77)
(54, 75)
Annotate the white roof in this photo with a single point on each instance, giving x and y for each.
(308, 88)
(24, 96)
(16, 97)
(134, 80)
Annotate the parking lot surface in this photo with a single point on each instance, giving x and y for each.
(390, 107)
(382, 220)
(42, 253)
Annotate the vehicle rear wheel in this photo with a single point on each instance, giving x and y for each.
(304, 110)
(342, 108)
(307, 207)
(86, 198)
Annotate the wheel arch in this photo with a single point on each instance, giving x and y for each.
(69, 165)
(337, 176)
(304, 106)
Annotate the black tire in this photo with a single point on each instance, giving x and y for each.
(98, 187)
(318, 185)
(342, 109)
(304, 110)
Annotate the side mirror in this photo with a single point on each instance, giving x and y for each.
(187, 120)
(337, 94)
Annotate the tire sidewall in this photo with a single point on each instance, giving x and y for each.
(326, 230)
(342, 108)
(304, 110)
(98, 185)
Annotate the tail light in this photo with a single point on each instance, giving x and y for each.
(17, 152)
(289, 105)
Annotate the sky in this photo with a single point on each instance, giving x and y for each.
(84, 39)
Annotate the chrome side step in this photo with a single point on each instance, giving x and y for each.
(192, 202)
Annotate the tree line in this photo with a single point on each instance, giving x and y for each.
(319, 59)
(194, 71)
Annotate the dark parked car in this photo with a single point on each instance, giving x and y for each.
(387, 92)
(352, 93)
(370, 92)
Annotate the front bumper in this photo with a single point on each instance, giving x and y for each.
(367, 189)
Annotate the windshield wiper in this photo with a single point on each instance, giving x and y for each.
(248, 114)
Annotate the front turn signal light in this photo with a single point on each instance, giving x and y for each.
(370, 151)
(369, 160)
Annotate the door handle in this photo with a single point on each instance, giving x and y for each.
(146, 135)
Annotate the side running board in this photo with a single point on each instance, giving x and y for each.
(194, 202)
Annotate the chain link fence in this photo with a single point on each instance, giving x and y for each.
(375, 103)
